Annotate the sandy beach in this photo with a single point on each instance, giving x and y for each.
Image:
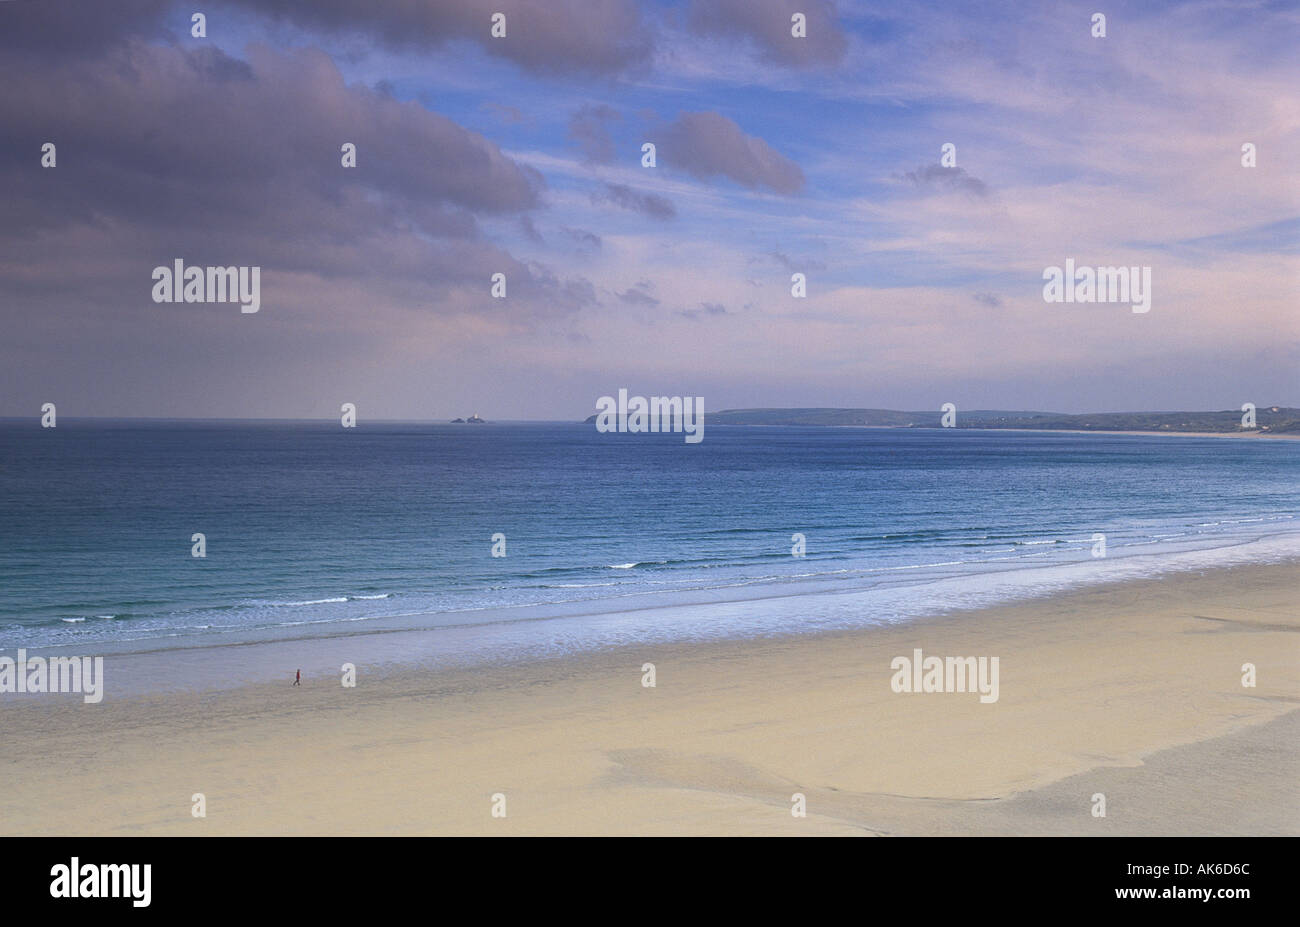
(1132, 690)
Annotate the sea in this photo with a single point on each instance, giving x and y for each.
(504, 541)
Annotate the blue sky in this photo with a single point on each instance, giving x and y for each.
(924, 282)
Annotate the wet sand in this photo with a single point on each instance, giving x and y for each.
(1131, 690)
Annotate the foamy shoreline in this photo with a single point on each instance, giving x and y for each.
(440, 642)
(1096, 686)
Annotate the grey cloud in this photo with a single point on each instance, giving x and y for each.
(801, 265)
(530, 230)
(55, 27)
(168, 152)
(542, 283)
(588, 127)
(988, 299)
(568, 37)
(935, 177)
(638, 297)
(584, 240)
(649, 204)
(766, 24)
(169, 137)
(706, 309)
(709, 144)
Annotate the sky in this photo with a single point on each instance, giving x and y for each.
(522, 155)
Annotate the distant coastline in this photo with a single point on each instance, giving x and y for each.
(1269, 421)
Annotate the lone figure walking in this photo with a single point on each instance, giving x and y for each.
(297, 679)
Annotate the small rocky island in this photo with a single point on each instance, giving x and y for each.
(472, 420)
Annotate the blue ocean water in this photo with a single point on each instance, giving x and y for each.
(312, 529)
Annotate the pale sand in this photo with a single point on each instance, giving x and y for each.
(1131, 690)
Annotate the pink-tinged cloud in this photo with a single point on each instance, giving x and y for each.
(710, 145)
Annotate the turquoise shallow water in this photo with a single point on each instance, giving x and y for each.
(313, 530)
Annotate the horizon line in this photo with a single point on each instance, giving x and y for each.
(564, 421)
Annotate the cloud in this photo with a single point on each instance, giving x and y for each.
(587, 127)
(936, 178)
(378, 280)
(648, 204)
(167, 152)
(709, 145)
(57, 27)
(639, 295)
(530, 230)
(572, 293)
(559, 37)
(584, 240)
(706, 309)
(801, 265)
(766, 24)
(157, 128)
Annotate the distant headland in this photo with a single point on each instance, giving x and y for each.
(1264, 420)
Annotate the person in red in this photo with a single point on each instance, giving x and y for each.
(297, 679)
